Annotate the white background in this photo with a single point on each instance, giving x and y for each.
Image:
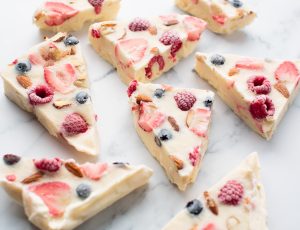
(275, 34)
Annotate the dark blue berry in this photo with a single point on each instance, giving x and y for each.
(82, 97)
(236, 3)
(164, 135)
(208, 102)
(11, 159)
(194, 207)
(159, 93)
(121, 164)
(157, 141)
(23, 66)
(83, 191)
(71, 41)
(217, 59)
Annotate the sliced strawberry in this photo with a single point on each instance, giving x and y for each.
(170, 19)
(198, 121)
(194, 27)
(60, 78)
(149, 117)
(287, 71)
(36, 59)
(221, 19)
(249, 64)
(56, 196)
(94, 171)
(209, 226)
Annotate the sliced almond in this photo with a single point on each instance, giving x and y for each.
(38, 15)
(189, 117)
(59, 104)
(32, 178)
(109, 24)
(80, 83)
(24, 81)
(282, 89)
(60, 38)
(73, 50)
(232, 222)
(233, 71)
(211, 204)
(73, 168)
(152, 30)
(142, 97)
(173, 123)
(154, 50)
(179, 163)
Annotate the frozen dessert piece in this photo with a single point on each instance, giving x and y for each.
(62, 194)
(51, 82)
(258, 90)
(222, 16)
(143, 49)
(70, 15)
(173, 123)
(237, 202)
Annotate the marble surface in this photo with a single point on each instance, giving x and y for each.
(275, 34)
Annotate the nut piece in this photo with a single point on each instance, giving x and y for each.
(282, 89)
(211, 204)
(189, 118)
(195, 227)
(59, 39)
(73, 168)
(152, 30)
(32, 178)
(177, 161)
(173, 123)
(232, 222)
(142, 98)
(24, 81)
(59, 104)
(233, 71)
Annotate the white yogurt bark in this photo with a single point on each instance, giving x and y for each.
(173, 123)
(62, 194)
(143, 49)
(51, 82)
(71, 15)
(237, 202)
(222, 16)
(258, 90)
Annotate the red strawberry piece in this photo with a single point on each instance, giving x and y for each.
(185, 100)
(11, 177)
(56, 196)
(94, 171)
(170, 19)
(221, 19)
(231, 193)
(149, 117)
(287, 71)
(60, 78)
(249, 64)
(14, 62)
(195, 1)
(156, 59)
(74, 124)
(259, 85)
(195, 156)
(97, 4)
(172, 38)
(209, 226)
(95, 33)
(131, 50)
(132, 87)
(194, 27)
(261, 107)
(40, 94)
(50, 165)
(36, 59)
(139, 24)
(198, 121)
(57, 13)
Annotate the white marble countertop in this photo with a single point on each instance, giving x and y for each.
(275, 33)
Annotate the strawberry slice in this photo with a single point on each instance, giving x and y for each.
(94, 171)
(56, 196)
(60, 78)
(36, 59)
(194, 27)
(198, 121)
(149, 117)
(209, 226)
(287, 71)
(170, 19)
(249, 64)
(221, 19)
(131, 50)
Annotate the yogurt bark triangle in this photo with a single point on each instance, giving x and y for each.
(62, 194)
(142, 49)
(173, 123)
(237, 202)
(68, 15)
(222, 16)
(51, 82)
(258, 90)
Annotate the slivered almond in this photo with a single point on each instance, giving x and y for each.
(38, 15)
(233, 71)
(173, 123)
(152, 30)
(80, 83)
(59, 39)
(61, 104)
(154, 50)
(24, 81)
(211, 204)
(73, 168)
(179, 163)
(189, 117)
(109, 24)
(32, 178)
(142, 97)
(73, 51)
(282, 89)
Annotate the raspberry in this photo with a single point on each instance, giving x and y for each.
(97, 4)
(132, 87)
(231, 193)
(261, 107)
(50, 165)
(185, 100)
(156, 59)
(40, 94)
(74, 124)
(195, 156)
(259, 85)
(171, 38)
(139, 24)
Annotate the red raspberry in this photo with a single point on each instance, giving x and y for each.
(132, 87)
(259, 85)
(261, 107)
(171, 38)
(231, 193)
(95, 33)
(74, 124)
(97, 4)
(40, 94)
(139, 24)
(195, 156)
(50, 165)
(185, 100)
(156, 59)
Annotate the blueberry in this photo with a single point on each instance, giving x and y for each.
(217, 59)
(83, 191)
(157, 141)
(208, 102)
(11, 159)
(159, 93)
(164, 135)
(23, 66)
(194, 207)
(236, 3)
(82, 97)
(71, 41)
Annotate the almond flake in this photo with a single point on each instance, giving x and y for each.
(142, 97)
(173, 123)
(179, 163)
(61, 104)
(24, 81)
(59, 39)
(154, 50)
(189, 118)
(232, 222)
(282, 89)
(80, 83)
(233, 71)
(32, 178)
(211, 204)
(74, 169)
(152, 30)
